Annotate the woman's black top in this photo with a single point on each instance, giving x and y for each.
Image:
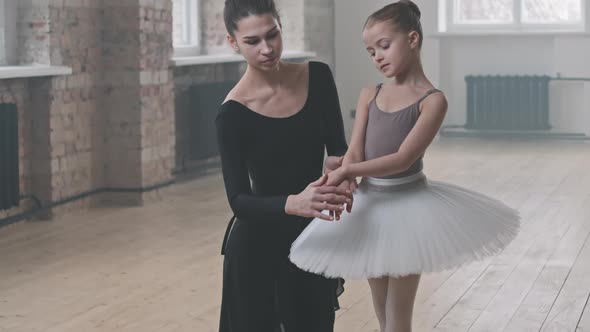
(265, 159)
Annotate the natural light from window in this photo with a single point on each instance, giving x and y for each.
(185, 30)
(517, 15)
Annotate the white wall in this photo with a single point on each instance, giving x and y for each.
(511, 55)
(490, 55)
(570, 103)
(354, 68)
(447, 60)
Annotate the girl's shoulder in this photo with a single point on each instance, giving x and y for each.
(369, 92)
(434, 100)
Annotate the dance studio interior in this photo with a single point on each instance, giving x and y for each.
(112, 202)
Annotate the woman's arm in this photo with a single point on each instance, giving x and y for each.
(247, 205)
(242, 201)
(432, 115)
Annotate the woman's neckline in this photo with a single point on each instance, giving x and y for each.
(301, 109)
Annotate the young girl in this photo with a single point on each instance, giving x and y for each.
(272, 131)
(402, 225)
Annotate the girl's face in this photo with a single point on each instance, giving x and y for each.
(259, 39)
(392, 51)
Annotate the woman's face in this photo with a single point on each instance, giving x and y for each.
(392, 51)
(259, 39)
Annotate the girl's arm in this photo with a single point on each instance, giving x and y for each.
(432, 115)
(356, 149)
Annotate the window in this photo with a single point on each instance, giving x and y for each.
(7, 32)
(512, 15)
(185, 16)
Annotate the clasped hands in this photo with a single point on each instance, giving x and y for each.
(331, 192)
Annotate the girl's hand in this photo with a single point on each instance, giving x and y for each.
(318, 197)
(337, 176)
(353, 184)
(332, 163)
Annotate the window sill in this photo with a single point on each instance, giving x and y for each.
(508, 33)
(7, 72)
(571, 79)
(228, 58)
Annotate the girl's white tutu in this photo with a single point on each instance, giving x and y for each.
(405, 226)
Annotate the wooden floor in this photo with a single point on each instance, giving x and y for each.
(157, 268)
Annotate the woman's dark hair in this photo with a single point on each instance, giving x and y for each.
(404, 14)
(235, 10)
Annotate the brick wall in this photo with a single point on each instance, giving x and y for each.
(119, 121)
(33, 26)
(156, 93)
(291, 12)
(60, 132)
(308, 25)
(213, 27)
(138, 96)
(121, 94)
(75, 118)
(213, 30)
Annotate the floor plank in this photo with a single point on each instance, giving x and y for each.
(157, 267)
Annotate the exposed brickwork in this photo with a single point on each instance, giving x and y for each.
(75, 118)
(121, 96)
(214, 32)
(291, 12)
(120, 120)
(156, 92)
(33, 26)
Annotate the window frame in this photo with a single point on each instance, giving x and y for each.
(8, 12)
(192, 43)
(448, 17)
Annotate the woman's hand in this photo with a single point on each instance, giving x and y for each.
(318, 197)
(350, 185)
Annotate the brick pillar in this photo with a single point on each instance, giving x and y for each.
(40, 140)
(138, 96)
(156, 92)
(75, 120)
